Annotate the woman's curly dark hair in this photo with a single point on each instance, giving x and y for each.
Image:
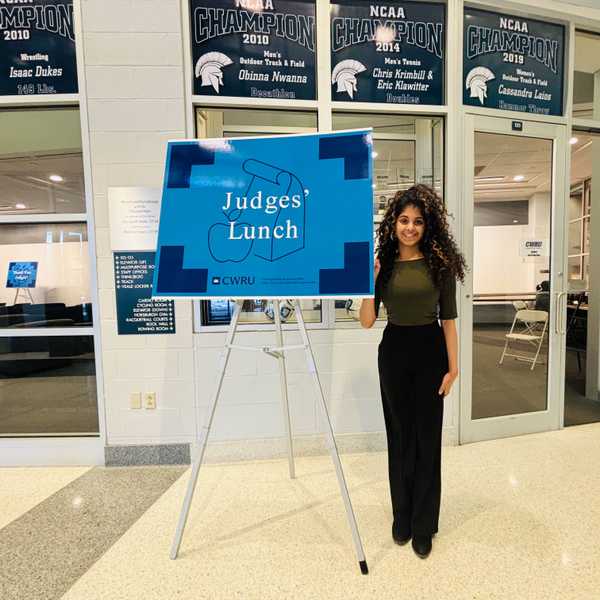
(441, 252)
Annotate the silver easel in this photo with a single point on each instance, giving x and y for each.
(277, 352)
(25, 291)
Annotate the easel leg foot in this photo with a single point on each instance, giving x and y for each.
(364, 569)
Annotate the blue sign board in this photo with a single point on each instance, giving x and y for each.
(21, 274)
(37, 48)
(389, 52)
(254, 48)
(271, 217)
(513, 63)
(137, 313)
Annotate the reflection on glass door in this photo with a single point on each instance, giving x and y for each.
(582, 404)
(511, 274)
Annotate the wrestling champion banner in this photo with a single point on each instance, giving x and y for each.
(389, 52)
(37, 48)
(513, 63)
(267, 217)
(254, 48)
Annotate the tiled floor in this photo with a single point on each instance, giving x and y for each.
(520, 519)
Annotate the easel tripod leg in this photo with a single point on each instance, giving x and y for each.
(197, 461)
(362, 561)
(284, 389)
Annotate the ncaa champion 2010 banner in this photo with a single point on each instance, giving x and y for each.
(513, 63)
(254, 48)
(388, 52)
(270, 217)
(37, 48)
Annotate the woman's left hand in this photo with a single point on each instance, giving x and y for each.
(449, 379)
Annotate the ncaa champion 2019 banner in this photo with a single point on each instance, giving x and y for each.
(271, 217)
(390, 52)
(512, 63)
(254, 48)
(37, 42)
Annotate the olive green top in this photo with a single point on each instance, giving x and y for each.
(411, 298)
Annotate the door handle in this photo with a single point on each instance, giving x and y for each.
(559, 315)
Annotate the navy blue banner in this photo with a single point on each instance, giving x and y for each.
(137, 313)
(37, 48)
(254, 48)
(512, 63)
(390, 52)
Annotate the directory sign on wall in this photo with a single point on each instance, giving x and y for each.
(390, 52)
(254, 48)
(22, 274)
(137, 312)
(267, 217)
(513, 63)
(37, 47)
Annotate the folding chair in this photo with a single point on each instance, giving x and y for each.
(529, 332)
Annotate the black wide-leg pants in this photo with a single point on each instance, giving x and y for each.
(412, 362)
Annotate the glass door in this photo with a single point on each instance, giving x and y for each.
(512, 310)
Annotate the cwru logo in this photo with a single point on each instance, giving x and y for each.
(234, 280)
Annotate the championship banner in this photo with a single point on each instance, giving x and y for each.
(388, 52)
(267, 217)
(37, 48)
(254, 48)
(513, 63)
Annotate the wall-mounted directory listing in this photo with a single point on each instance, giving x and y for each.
(391, 52)
(513, 63)
(254, 48)
(137, 312)
(37, 47)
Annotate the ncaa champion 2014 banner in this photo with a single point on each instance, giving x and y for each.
(37, 47)
(270, 217)
(513, 63)
(254, 48)
(389, 52)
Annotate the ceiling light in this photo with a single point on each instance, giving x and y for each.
(56, 178)
(20, 205)
(519, 178)
(374, 154)
(515, 220)
(573, 141)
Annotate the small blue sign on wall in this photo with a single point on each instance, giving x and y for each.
(137, 312)
(390, 52)
(254, 48)
(22, 274)
(513, 63)
(37, 48)
(271, 217)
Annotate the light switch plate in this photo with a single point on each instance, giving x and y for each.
(135, 400)
(150, 400)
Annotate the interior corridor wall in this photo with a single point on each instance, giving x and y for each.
(135, 89)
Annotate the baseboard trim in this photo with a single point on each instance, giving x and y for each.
(256, 449)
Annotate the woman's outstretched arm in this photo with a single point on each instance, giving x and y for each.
(367, 307)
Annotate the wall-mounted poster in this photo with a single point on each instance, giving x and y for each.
(267, 217)
(137, 312)
(254, 48)
(390, 52)
(513, 63)
(22, 274)
(37, 48)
